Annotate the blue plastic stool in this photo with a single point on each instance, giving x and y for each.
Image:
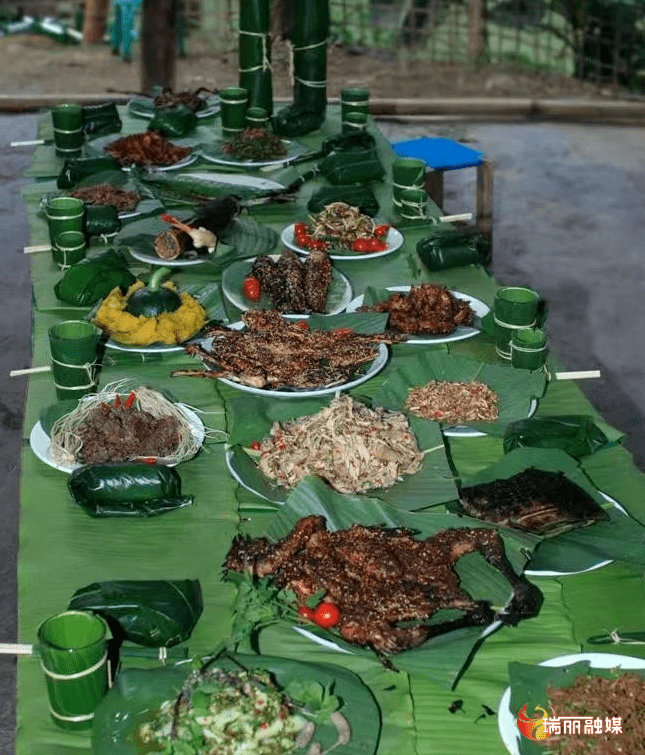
(440, 155)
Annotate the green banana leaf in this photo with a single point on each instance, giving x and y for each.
(517, 390)
(251, 419)
(529, 684)
(153, 613)
(250, 238)
(93, 278)
(443, 657)
(619, 539)
(356, 195)
(575, 434)
(131, 489)
(137, 692)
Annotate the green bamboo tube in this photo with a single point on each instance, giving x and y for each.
(354, 100)
(68, 248)
(256, 117)
(414, 204)
(354, 121)
(516, 306)
(528, 349)
(233, 105)
(73, 653)
(74, 345)
(255, 53)
(67, 120)
(64, 214)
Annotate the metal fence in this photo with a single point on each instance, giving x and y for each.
(598, 40)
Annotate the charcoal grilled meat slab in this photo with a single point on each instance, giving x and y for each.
(382, 577)
(537, 501)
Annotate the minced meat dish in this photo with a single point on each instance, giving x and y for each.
(121, 433)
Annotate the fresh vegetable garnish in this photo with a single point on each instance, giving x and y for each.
(302, 324)
(255, 445)
(381, 230)
(129, 400)
(326, 615)
(306, 612)
(251, 288)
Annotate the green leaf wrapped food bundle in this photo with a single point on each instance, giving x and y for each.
(101, 119)
(134, 489)
(173, 122)
(91, 279)
(152, 613)
(76, 169)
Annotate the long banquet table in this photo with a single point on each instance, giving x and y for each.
(61, 549)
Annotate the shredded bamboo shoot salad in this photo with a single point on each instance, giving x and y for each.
(66, 443)
(350, 446)
(342, 222)
(453, 402)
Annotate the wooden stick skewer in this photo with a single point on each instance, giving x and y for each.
(29, 143)
(14, 648)
(33, 249)
(580, 375)
(29, 371)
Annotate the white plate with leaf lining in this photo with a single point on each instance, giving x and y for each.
(394, 241)
(338, 294)
(460, 333)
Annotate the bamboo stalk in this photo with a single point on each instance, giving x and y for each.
(29, 371)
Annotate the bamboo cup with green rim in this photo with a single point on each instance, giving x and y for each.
(503, 336)
(407, 173)
(233, 105)
(354, 121)
(64, 214)
(414, 204)
(73, 655)
(67, 120)
(256, 117)
(528, 349)
(68, 248)
(74, 353)
(516, 305)
(354, 100)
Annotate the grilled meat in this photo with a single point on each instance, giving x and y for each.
(317, 279)
(292, 270)
(427, 309)
(380, 577)
(274, 353)
(148, 148)
(544, 503)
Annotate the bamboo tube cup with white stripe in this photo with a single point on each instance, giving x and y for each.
(73, 653)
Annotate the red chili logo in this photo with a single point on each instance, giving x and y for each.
(533, 728)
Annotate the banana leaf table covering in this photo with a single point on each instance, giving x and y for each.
(62, 550)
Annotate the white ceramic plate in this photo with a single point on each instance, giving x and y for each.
(598, 565)
(215, 155)
(39, 440)
(152, 259)
(464, 431)
(228, 455)
(461, 332)
(188, 160)
(338, 295)
(373, 369)
(103, 141)
(506, 724)
(143, 107)
(394, 241)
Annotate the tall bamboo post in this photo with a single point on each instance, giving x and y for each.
(158, 43)
(476, 30)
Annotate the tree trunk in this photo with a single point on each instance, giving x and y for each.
(158, 43)
(94, 21)
(476, 31)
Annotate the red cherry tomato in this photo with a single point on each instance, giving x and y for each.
(381, 245)
(381, 230)
(359, 245)
(255, 445)
(326, 615)
(300, 228)
(251, 288)
(373, 245)
(306, 612)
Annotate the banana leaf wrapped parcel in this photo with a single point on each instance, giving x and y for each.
(152, 613)
(93, 278)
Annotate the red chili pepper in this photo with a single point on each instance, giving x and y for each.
(149, 460)
(129, 400)
(302, 324)
(341, 331)
(255, 445)
(117, 401)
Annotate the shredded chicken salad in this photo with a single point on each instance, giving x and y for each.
(342, 222)
(445, 401)
(350, 446)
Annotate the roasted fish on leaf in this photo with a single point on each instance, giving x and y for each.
(537, 501)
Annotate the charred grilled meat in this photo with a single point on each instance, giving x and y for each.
(427, 309)
(292, 285)
(275, 353)
(317, 279)
(380, 578)
(544, 503)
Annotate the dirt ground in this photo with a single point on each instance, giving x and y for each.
(35, 64)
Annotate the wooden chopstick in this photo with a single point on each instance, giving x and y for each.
(33, 249)
(29, 143)
(580, 375)
(29, 371)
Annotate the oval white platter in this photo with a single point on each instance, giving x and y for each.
(394, 240)
(39, 440)
(338, 294)
(506, 724)
(459, 334)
